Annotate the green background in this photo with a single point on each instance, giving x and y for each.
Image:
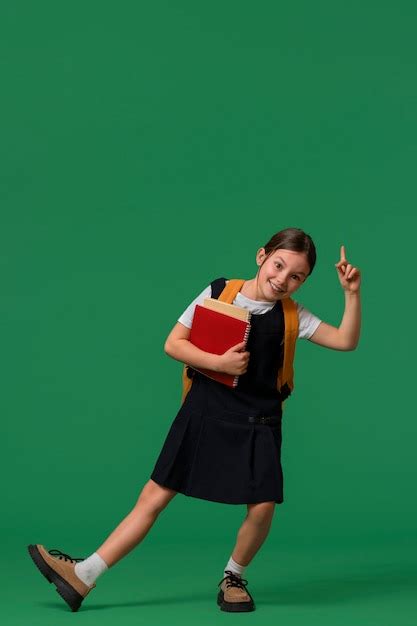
(147, 148)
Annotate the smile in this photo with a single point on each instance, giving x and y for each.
(275, 288)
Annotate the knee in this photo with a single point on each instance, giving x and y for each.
(261, 513)
(154, 498)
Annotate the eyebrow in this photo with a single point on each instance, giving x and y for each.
(283, 262)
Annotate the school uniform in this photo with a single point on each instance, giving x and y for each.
(224, 444)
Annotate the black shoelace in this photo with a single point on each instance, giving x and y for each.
(62, 555)
(233, 580)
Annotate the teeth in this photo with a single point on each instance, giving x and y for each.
(276, 288)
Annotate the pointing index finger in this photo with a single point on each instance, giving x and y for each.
(342, 253)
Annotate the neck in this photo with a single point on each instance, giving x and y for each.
(249, 289)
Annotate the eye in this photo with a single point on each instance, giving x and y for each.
(278, 265)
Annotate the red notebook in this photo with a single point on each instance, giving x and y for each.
(216, 332)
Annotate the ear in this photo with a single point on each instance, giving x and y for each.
(260, 255)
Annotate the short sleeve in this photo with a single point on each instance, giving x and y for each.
(307, 322)
(187, 317)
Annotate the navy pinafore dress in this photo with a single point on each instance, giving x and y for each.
(218, 448)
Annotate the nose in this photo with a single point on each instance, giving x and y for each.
(282, 282)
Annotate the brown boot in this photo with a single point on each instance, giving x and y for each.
(58, 568)
(233, 595)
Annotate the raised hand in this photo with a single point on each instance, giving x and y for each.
(349, 276)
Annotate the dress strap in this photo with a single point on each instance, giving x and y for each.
(217, 287)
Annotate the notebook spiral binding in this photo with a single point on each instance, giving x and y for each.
(245, 339)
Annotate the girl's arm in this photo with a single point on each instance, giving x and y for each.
(346, 337)
(179, 348)
(233, 361)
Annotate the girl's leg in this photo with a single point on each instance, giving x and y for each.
(253, 531)
(134, 527)
(74, 581)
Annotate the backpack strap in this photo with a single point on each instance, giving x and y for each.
(231, 290)
(285, 382)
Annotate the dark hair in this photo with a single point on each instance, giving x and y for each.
(292, 239)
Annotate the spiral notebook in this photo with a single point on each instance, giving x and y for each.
(217, 326)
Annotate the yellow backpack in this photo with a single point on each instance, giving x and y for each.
(285, 380)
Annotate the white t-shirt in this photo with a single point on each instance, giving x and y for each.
(307, 322)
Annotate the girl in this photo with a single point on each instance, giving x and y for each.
(224, 444)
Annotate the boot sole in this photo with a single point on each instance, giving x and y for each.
(234, 607)
(65, 590)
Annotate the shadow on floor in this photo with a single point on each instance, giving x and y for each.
(380, 581)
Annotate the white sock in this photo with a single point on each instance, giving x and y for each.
(235, 567)
(90, 569)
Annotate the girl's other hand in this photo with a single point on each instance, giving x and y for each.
(349, 276)
(235, 360)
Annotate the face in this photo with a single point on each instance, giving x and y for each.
(283, 272)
